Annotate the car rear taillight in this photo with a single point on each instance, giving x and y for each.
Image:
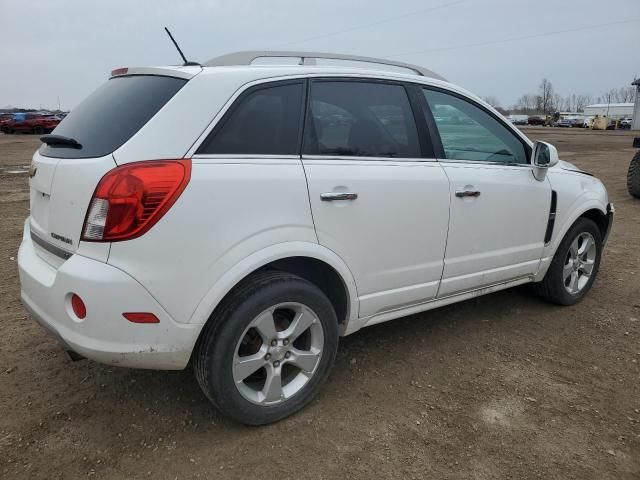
(130, 199)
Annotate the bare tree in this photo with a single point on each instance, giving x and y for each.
(582, 101)
(618, 95)
(568, 103)
(493, 101)
(546, 95)
(527, 104)
(625, 94)
(558, 103)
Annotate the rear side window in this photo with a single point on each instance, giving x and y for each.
(364, 119)
(113, 114)
(265, 121)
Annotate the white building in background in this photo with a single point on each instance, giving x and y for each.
(611, 110)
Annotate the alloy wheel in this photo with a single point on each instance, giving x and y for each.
(278, 353)
(579, 263)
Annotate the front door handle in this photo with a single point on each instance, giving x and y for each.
(331, 196)
(467, 193)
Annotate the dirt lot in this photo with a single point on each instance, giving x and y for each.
(503, 386)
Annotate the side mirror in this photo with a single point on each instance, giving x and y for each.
(545, 156)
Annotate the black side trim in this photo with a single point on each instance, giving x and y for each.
(552, 217)
(57, 251)
(424, 135)
(434, 134)
(611, 211)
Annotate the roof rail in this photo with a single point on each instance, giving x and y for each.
(309, 58)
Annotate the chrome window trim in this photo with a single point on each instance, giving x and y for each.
(481, 162)
(369, 159)
(240, 156)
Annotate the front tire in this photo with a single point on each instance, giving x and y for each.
(633, 176)
(574, 266)
(267, 349)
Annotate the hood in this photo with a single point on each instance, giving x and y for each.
(570, 167)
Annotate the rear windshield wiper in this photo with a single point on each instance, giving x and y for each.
(54, 140)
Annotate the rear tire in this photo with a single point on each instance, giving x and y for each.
(574, 266)
(38, 130)
(633, 176)
(267, 349)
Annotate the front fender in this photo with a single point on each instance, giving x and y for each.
(577, 194)
(279, 251)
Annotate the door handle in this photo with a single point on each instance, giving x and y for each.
(467, 193)
(331, 196)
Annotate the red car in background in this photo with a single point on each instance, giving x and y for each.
(30, 123)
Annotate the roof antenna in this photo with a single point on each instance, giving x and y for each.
(186, 62)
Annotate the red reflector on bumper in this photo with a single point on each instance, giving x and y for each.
(141, 317)
(78, 306)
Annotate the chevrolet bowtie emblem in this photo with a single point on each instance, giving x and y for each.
(32, 170)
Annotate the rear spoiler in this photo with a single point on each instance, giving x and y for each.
(178, 72)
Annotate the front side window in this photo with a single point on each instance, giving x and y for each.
(266, 121)
(363, 119)
(469, 133)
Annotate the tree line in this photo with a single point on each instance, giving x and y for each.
(547, 101)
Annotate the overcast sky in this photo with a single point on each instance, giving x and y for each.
(501, 48)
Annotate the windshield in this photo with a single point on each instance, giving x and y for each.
(112, 115)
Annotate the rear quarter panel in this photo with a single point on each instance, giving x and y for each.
(231, 209)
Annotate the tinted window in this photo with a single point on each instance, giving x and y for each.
(266, 121)
(470, 133)
(360, 119)
(113, 114)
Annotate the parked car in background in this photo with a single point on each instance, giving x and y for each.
(295, 204)
(625, 123)
(518, 119)
(569, 122)
(537, 120)
(31, 123)
(587, 122)
(4, 119)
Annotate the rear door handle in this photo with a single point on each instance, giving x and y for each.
(331, 196)
(467, 193)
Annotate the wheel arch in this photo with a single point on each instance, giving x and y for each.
(590, 208)
(313, 262)
(587, 208)
(599, 218)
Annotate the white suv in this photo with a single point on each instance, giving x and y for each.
(242, 217)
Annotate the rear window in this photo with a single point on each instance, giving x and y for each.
(113, 114)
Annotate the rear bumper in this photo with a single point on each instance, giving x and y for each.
(104, 335)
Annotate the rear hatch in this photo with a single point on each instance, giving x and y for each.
(64, 174)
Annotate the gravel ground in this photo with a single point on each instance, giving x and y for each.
(502, 386)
